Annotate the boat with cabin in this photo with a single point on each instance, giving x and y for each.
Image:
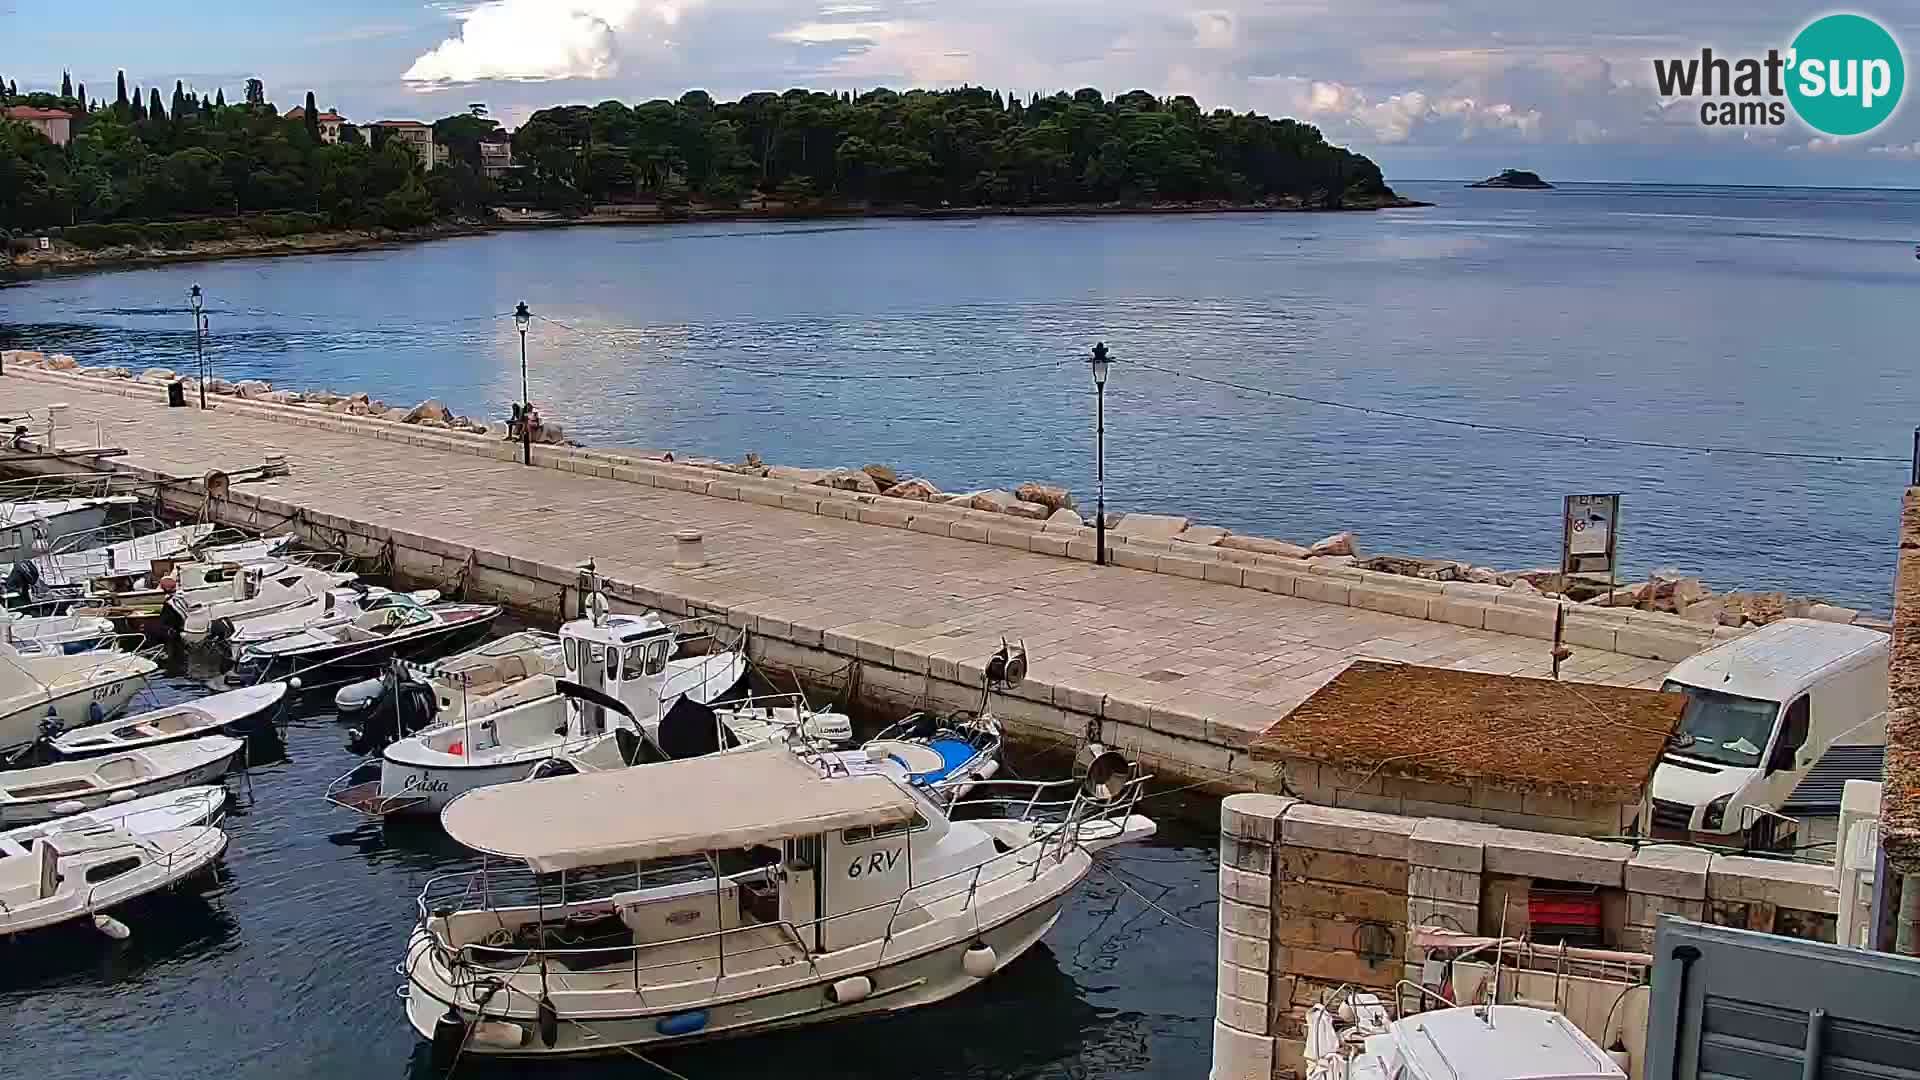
(84, 873)
(45, 693)
(621, 685)
(733, 894)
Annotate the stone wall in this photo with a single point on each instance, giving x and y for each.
(1315, 897)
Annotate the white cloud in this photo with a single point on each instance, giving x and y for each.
(1898, 150)
(1400, 117)
(840, 33)
(537, 40)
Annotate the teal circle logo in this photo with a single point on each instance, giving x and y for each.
(1846, 74)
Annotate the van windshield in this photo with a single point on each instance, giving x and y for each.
(1726, 729)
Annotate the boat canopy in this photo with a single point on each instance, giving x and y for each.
(654, 811)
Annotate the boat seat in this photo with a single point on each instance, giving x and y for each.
(24, 879)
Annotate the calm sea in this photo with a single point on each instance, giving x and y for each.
(1767, 319)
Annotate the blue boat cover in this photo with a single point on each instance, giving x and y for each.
(953, 754)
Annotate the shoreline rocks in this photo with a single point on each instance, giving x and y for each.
(1664, 590)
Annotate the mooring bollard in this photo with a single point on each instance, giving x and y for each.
(689, 551)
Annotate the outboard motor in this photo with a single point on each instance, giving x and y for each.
(391, 714)
(23, 579)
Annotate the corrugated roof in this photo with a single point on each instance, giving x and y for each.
(1818, 793)
(1441, 726)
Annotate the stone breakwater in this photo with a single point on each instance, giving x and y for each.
(1668, 591)
(1053, 508)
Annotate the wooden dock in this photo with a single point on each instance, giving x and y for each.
(1177, 656)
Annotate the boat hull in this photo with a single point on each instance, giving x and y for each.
(22, 728)
(348, 660)
(33, 812)
(187, 862)
(922, 979)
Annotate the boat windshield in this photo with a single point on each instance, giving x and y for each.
(1726, 729)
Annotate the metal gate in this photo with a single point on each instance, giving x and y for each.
(1742, 1005)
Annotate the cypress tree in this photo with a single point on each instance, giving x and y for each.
(154, 110)
(66, 84)
(220, 98)
(179, 108)
(312, 117)
(81, 94)
(139, 105)
(120, 96)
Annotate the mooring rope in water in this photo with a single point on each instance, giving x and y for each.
(1144, 898)
(638, 1056)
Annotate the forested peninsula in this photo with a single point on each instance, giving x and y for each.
(137, 175)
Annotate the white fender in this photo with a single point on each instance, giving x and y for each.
(979, 961)
(849, 990)
(112, 927)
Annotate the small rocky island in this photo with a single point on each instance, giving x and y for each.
(1514, 178)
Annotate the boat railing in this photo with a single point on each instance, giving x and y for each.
(712, 632)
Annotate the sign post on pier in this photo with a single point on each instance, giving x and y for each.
(1590, 531)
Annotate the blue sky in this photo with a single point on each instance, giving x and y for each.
(1428, 88)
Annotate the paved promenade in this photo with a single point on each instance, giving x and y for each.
(1237, 657)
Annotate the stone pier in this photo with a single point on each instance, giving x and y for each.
(1176, 656)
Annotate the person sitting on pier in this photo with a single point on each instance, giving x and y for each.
(513, 423)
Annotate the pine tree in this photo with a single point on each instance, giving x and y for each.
(66, 84)
(155, 111)
(120, 96)
(312, 117)
(220, 99)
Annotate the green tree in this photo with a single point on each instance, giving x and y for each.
(219, 98)
(139, 106)
(120, 94)
(66, 84)
(80, 94)
(155, 111)
(256, 93)
(179, 109)
(311, 114)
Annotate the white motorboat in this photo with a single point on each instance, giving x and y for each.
(44, 692)
(621, 680)
(394, 626)
(234, 712)
(1481, 1042)
(84, 873)
(71, 787)
(506, 671)
(245, 590)
(332, 608)
(204, 804)
(731, 895)
(77, 568)
(55, 633)
(31, 527)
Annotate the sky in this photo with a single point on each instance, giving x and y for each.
(1430, 89)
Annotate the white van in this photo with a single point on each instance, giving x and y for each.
(1763, 712)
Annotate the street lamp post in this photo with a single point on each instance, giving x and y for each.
(521, 318)
(1098, 361)
(199, 343)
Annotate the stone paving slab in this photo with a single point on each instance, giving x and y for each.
(1138, 639)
